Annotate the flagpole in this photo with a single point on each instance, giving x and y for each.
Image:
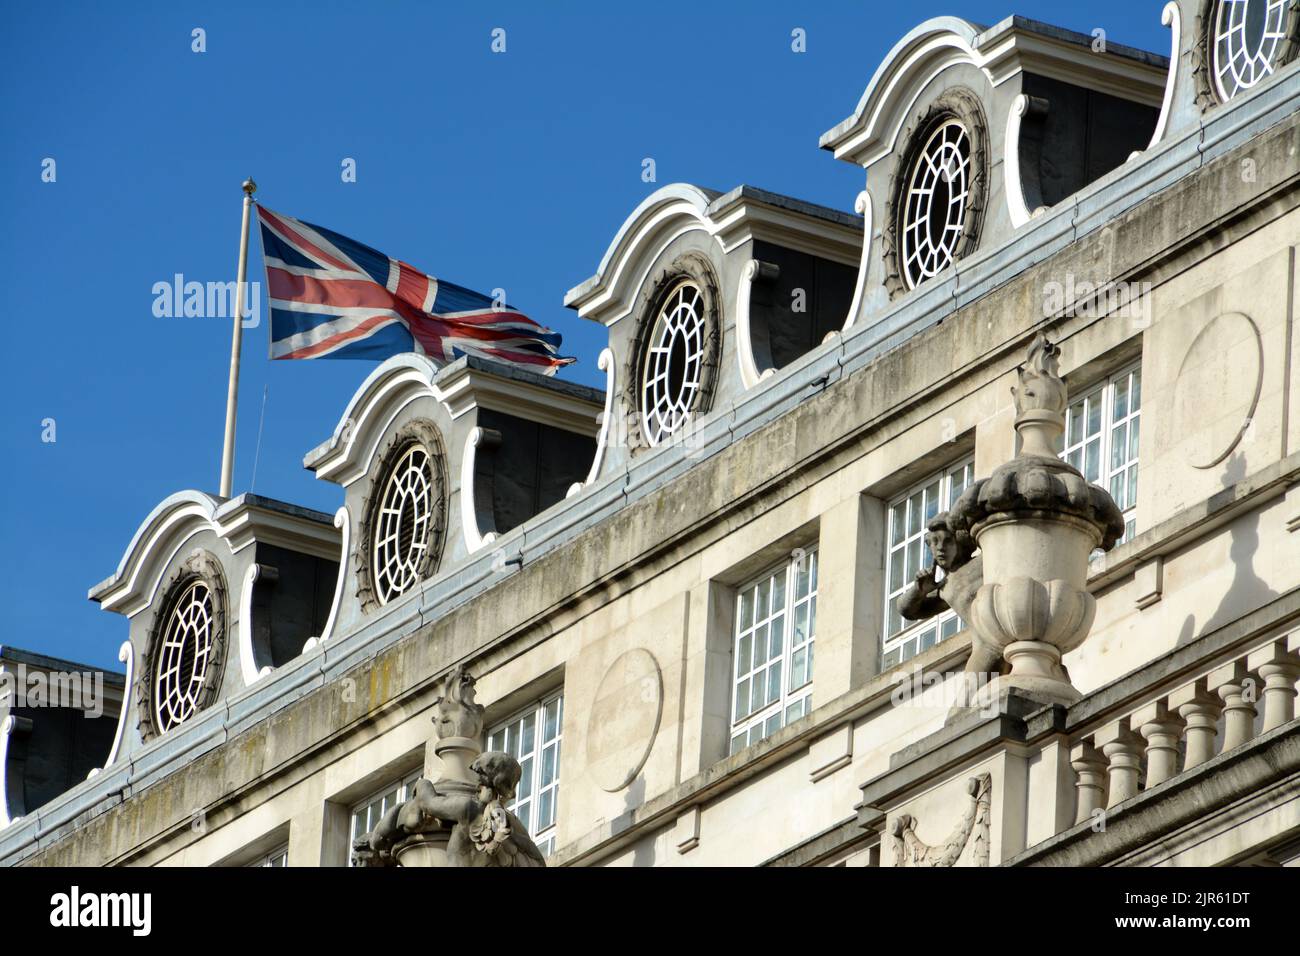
(232, 394)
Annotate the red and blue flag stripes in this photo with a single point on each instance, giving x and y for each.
(333, 297)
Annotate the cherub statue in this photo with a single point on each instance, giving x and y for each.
(963, 574)
(483, 831)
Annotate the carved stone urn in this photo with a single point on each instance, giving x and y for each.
(1036, 521)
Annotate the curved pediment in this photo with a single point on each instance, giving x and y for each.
(174, 520)
(918, 57)
(661, 217)
(350, 450)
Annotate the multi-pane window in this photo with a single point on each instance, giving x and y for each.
(533, 738)
(367, 814)
(277, 857)
(1101, 439)
(772, 656)
(907, 552)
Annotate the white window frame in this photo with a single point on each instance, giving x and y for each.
(399, 791)
(534, 790)
(277, 857)
(1119, 477)
(906, 551)
(757, 721)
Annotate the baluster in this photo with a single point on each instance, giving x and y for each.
(1123, 750)
(1161, 728)
(1234, 685)
(1090, 767)
(1200, 709)
(1280, 668)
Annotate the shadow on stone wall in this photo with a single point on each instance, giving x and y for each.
(1247, 590)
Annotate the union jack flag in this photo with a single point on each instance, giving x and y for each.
(333, 297)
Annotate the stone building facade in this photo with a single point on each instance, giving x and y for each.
(681, 600)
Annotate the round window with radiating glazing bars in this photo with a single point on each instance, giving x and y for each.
(932, 217)
(402, 523)
(1247, 41)
(673, 372)
(183, 660)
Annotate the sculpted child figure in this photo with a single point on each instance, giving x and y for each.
(962, 576)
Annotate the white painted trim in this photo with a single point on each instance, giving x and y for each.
(872, 132)
(247, 662)
(342, 521)
(1173, 19)
(177, 517)
(126, 655)
(6, 728)
(947, 40)
(606, 365)
(862, 206)
(749, 373)
(1017, 209)
(661, 217)
(474, 539)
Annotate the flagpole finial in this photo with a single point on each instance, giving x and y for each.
(249, 186)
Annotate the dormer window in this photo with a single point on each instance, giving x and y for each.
(672, 369)
(934, 209)
(1246, 45)
(185, 654)
(938, 192)
(183, 661)
(674, 366)
(402, 522)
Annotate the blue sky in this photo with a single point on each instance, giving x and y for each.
(508, 170)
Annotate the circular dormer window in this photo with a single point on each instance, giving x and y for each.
(185, 653)
(404, 518)
(1247, 43)
(937, 191)
(933, 210)
(672, 376)
(184, 659)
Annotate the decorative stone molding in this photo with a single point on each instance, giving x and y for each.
(1013, 182)
(125, 654)
(470, 510)
(1217, 390)
(459, 820)
(425, 433)
(696, 268)
(8, 727)
(624, 719)
(862, 206)
(909, 850)
(199, 566)
(1149, 582)
(964, 106)
(342, 521)
(248, 665)
(606, 364)
(750, 374)
(686, 832)
(1173, 19)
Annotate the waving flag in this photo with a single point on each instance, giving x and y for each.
(332, 297)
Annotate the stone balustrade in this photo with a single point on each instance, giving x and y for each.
(1218, 711)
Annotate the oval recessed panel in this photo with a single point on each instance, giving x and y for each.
(1217, 389)
(624, 719)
